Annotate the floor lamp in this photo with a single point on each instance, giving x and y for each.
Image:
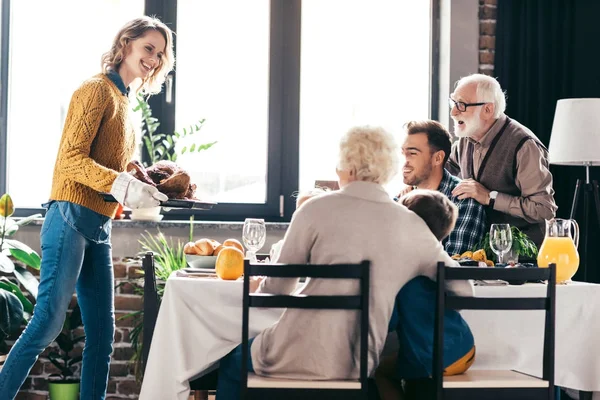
(575, 141)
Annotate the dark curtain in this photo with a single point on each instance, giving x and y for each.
(548, 50)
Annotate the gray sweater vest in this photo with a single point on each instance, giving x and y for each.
(498, 172)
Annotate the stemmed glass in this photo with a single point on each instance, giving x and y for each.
(500, 240)
(254, 236)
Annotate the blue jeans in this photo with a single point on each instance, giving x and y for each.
(230, 373)
(76, 255)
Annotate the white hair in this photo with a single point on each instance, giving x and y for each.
(488, 90)
(371, 152)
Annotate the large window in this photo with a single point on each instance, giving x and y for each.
(277, 82)
(223, 77)
(367, 65)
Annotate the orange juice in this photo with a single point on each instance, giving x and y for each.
(562, 251)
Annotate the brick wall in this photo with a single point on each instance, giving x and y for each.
(487, 36)
(122, 383)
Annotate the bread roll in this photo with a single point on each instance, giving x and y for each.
(204, 247)
(189, 248)
(218, 250)
(234, 243)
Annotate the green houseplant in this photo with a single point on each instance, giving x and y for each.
(18, 306)
(521, 246)
(161, 146)
(65, 385)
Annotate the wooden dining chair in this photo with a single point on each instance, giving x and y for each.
(202, 385)
(498, 384)
(259, 387)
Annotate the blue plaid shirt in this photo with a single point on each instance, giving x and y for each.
(471, 223)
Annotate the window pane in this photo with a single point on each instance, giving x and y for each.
(367, 65)
(49, 59)
(223, 76)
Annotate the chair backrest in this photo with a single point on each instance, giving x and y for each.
(336, 302)
(446, 301)
(150, 305)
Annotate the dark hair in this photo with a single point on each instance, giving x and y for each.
(437, 210)
(437, 136)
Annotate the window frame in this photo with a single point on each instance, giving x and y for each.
(284, 109)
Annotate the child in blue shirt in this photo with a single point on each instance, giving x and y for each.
(413, 317)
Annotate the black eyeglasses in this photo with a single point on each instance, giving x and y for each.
(461, 106)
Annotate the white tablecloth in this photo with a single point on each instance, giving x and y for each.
(200, 322)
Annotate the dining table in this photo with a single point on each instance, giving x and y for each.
(200, 320)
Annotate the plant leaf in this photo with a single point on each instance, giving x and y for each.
(10, 321)
(6, 264)
(28, 258)
(28, 280)
(7, 208)
(14, 289)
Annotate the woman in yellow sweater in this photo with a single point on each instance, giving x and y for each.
(97, 143)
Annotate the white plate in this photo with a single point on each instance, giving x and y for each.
(201, 261)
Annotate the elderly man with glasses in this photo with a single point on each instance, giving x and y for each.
(504, 166)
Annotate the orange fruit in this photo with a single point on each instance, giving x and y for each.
(230, 263)
(234, 243)
(218, 250)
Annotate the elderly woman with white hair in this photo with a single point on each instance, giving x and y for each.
(358, 222)
(504, 166)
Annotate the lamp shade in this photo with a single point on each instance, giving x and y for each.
(575, 138)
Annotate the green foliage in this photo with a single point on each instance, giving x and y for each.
(161, 146)
(521, 245)
(66, 342)
(168, 257)
(15, 303)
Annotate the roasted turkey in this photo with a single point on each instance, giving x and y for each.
(168, 178)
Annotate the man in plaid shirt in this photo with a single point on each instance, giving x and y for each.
(426, 149)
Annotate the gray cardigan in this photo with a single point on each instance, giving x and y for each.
(358, 222)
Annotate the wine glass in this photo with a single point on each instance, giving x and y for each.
(500, 240)
(254, 235)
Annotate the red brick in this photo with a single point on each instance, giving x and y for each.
(118, 336)
(487, 28)
(30, 396)
(112, 386)
(119, 369)
(40, 384)
(486, 71)
(487, 43)
(120, 270)
(487, 12)
(134, 272)
(486, 57)
(122, 353)
(50, 368)
(38, 368)
(128, 387)
(129, 288)
(491, 2)
(128, 322)
(128, 303)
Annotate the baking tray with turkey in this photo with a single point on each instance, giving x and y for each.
(169, 179)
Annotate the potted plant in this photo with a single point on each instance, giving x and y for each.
(160, 146)
(18, 306)
(65, 385)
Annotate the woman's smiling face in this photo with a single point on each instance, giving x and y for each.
(143, 56)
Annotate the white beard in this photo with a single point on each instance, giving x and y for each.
(470, 126)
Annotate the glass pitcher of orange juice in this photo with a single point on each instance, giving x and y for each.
(560, 248)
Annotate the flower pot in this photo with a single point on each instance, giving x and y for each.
(63, 390)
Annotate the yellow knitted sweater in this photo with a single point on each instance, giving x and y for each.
(98, 141)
